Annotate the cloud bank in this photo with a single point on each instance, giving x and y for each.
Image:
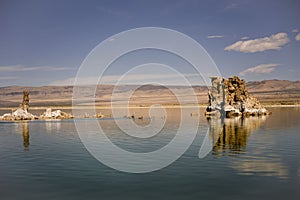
(8, 78)
(274, 42)
(215, 36)
(260, 69)
(21, 68)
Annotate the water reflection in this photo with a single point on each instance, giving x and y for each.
(256, 164)
(231, 135)
(25, 133)
(53, 125)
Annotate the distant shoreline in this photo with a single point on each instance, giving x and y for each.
(109, 107)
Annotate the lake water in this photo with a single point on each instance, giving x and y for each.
(255, 158)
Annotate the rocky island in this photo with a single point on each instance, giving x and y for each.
(21, 113)
(230, 98)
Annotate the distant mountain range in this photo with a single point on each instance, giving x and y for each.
(273, 85)
(267, 91)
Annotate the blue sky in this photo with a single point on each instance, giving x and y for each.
(45, 42)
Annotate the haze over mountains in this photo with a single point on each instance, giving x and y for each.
(267, 91)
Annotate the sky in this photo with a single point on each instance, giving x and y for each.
(45, 42)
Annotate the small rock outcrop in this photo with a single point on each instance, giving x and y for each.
(57, 114)
(229, 98)
(99, 115)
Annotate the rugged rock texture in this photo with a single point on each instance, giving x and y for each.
(20, 113)
(229, 98)
(25, 103)
(57, 114)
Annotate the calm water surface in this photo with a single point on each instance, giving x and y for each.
(255, 158)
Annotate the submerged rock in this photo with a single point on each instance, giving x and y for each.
(230, 98)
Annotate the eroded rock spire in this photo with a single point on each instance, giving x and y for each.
(229, 98)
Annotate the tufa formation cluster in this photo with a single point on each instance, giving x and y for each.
(22, 113)
(230, 98)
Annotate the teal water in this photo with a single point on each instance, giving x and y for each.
(256, 158)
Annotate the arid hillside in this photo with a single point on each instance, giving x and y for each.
(267, 91)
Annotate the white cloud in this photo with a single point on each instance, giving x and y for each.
(297, 37)
(21, 68)
(260, 69)
(245, 38)
(215, 36)
(295, 31)
(274, 42)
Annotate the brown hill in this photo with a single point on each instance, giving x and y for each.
(276, 91)
(273, 85)
(267, 91)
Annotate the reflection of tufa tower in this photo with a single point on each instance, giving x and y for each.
(231, 135)
(25, 132)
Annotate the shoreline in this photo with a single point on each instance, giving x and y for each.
(122, 107)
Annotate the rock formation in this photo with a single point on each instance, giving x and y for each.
(25, 103)
(229, 98)
(57, 114)
(20, 113)
(99, 115)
